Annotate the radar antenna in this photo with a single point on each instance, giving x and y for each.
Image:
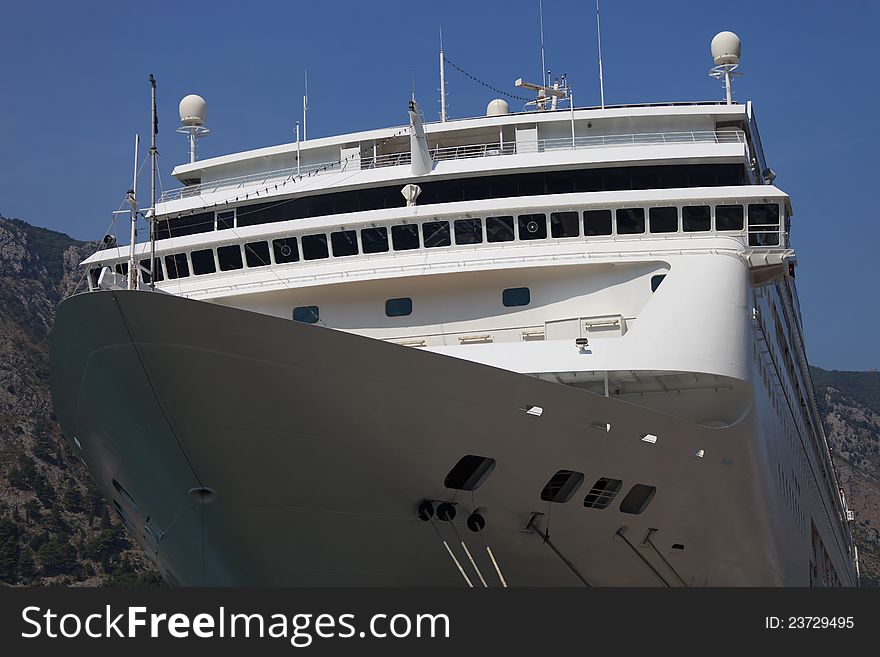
(560, 90)
(193, 112)
(726, 48)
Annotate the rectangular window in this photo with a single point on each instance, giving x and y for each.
(226, 220)
(95, 274)
(344, 243)
(728, 217)
(516, 296)
(122, 268)
(374, 240)
(176, 266)
(315, 247)
(532, 226)
(398, 307)
(146, 271)
(257, 254)
(436, 233)
(630, 221)
(468, 231)
(763, 224)
(229, 257)
(306, 314)
(696, 218)
(597, 222)
(565, 224)
(663, 220)
(499, 229)
(405, 237)
(203, 262)
(285, 250)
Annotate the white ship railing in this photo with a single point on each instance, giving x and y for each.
(469, 151)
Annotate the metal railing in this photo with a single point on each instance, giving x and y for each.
(468, 151)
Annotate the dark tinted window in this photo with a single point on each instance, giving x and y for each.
(468, 231)
(564, 224)
(597, 222)
(95, 274)
(229, 257)
(226, 220)
(398, 307)
(315, 247)
(728, 217)
(516, 296)
(176, 266)
(306, 314)
(696, 218)
(145, 271)
(203, 262)
(285, 250)
(532, 226)
(202, 222)
(637, 499)
(763, 214)
(562, 486)
(663, 220)
(436, 233)
(122, 268)
(630, 221)
(256, 254)
(405, 237)
(374, 240)
(499, 229)
(602, 493)
(344, 243)
(656, 280)
(469, 473)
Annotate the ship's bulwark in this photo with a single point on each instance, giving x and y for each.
(317, 446)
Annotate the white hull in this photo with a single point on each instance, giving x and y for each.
(320, 444)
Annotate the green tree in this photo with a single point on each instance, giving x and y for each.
(57, 557)
(9, 551)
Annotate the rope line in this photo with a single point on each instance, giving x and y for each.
(485, 84)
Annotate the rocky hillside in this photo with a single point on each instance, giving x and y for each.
(850, 407)
(55, 528)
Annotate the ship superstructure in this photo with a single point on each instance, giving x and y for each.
(568, 340)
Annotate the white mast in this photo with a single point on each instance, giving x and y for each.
(545, 82)
(442, 80)
(599, 41)
(154, 131)
(297, 148)
(305, 104)
(132, 202)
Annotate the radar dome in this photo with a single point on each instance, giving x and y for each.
(726, 48)
(497, 107)
(193, 110)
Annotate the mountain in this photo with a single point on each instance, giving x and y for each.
(55, 528)
(849, 403)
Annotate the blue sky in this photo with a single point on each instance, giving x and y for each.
(73, 91)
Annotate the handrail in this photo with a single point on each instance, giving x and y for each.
(468, 151)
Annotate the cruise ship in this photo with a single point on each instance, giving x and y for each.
(552, 347)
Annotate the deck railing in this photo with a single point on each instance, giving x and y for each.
(469, 151)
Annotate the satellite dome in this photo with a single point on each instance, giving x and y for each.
(193, 110)
(726, 48)
(497, 107)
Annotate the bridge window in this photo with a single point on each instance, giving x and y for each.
(468, 231)
(696, 218)
(226, 219)
(257, 254)
(405, 237)
(564, 224)
(398, 307)
(436, 233)
(122, 268)
(229, 257)
(306, 314)
(499, 229)
(344, 243)
(728, 217)
(763, 224)
(516, 296)
(315, 247)
(374, 240)
(146, 271)
(532, 226)
(176, 266)
(663, 220)
(203, 262)
(285, 250)
(597, 222)
(630, 221)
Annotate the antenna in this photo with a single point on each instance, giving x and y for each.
(131, 197)
(153, 153)
(193, 112)
(544, 80)
(726, 48)
(599, 41)
(305, 102)
(442, 80)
